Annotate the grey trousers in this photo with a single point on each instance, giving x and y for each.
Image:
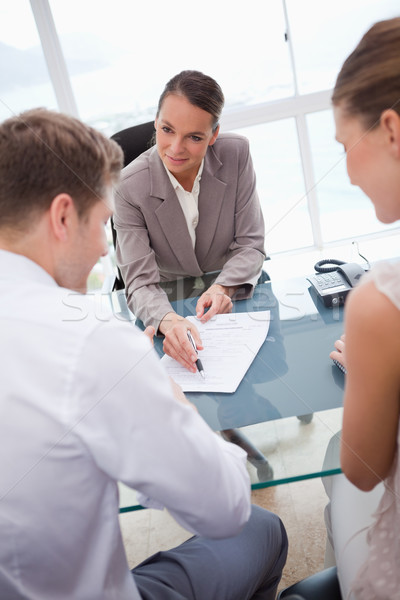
(243, 567)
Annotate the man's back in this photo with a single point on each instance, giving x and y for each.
(79, 412)
(58, 515)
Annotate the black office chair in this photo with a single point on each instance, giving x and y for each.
(320, 586)
(134, 141)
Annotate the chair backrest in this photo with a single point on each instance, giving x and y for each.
(134, 141)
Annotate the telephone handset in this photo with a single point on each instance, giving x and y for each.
(334, 280)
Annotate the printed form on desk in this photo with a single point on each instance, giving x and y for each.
(231, 342)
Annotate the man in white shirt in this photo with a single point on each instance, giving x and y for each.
(85, 403)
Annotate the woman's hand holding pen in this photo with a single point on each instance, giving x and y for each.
(340, 353)
(176, 342)
(216, 299)
(174, 327)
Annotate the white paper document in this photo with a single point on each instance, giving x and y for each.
(231, 342)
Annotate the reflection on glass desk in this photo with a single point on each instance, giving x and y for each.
(289, 404)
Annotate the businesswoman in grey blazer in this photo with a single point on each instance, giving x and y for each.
(186, 207)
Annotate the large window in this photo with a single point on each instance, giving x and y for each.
(120, 59)
(276, 61)
(345, 211)
(280, 184)
(24, 79)
(324, 33)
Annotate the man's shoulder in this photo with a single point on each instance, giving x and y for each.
(60, 317)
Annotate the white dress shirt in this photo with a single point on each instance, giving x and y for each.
(189, 201)
(85, 403)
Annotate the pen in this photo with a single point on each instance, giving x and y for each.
(198, 361)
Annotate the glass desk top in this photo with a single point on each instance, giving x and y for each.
(288, 407)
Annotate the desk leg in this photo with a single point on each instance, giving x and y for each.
(254, 456)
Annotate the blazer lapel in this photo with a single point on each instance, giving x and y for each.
(211, 198)
(171, 217)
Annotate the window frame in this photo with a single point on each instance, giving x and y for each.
(297, 107)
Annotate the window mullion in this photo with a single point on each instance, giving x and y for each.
(288, 38)
(257, 114)
(309, 179)
(54, 57)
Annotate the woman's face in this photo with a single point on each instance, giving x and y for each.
(183, 134)
(372, 163)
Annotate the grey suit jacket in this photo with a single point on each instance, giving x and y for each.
(153, 242)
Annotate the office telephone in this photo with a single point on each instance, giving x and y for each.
(334, 279)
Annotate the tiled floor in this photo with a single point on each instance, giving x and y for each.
(289, 445)
(300, 506)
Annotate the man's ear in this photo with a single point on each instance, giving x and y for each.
(390, 124)
(62, 214)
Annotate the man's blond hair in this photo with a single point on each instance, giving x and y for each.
(44, 153)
